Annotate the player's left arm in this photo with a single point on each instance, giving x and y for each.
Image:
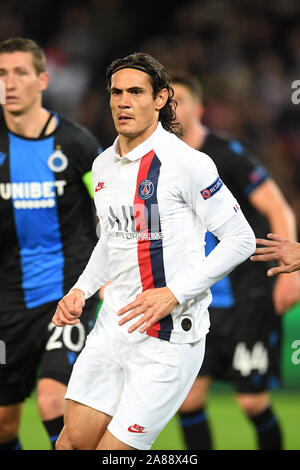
(221, 215)
(237, 241)
(268, 199)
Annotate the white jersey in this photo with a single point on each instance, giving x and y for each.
(155, 205)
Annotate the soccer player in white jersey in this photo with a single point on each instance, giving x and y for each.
(155, 201)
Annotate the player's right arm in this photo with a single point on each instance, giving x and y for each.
(94, 276)
(69, 308)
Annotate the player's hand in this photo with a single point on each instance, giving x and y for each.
(278, 248)
(69, 308)
(286, 292)
(150, 306)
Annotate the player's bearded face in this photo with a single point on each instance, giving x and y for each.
(23, 86)
(134, 109)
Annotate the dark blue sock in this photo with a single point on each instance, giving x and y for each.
(14, 444)
(196, 430)
(268, 430)
(53, 428)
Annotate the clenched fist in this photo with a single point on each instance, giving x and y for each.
(69, 308)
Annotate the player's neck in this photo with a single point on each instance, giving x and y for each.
(30, 123)
(128, 143)
(195, 135)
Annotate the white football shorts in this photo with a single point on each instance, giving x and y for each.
(140, 383)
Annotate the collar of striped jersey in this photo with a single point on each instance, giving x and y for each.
(142, 149)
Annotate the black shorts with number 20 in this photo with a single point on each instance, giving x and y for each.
(36, 348)
(243, 346)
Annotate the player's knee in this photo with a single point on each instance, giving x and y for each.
(196, 397)
(61, 445)
(191, 404)
(50, 403)
(9, 422)
(253, 404)
(78, 441)
(63, 442)
(70, 439)
(50, 397)
(8, 429)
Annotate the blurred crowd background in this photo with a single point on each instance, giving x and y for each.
(245, 52)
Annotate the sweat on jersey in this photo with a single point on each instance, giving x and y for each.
(47, 230)
(155, 205)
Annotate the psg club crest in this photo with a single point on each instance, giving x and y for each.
(145, 189)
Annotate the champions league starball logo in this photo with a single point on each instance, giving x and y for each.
(145, 189)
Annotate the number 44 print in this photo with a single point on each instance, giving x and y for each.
(245, 360)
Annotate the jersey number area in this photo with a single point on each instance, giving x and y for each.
(246, 360)
(70, 336)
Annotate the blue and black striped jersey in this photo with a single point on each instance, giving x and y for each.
(242, 172)
(47, 229)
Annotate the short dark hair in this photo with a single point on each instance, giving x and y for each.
(191, 82)
(18, 44)
(159, 80)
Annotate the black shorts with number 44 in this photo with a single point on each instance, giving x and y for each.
(243, 346)
(36, 348)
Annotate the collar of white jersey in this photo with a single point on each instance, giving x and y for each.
(142, 149)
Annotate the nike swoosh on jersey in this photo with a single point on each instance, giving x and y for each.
(99, 186)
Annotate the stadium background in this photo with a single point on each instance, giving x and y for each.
(247, 55)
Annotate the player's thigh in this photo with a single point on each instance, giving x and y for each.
(97, 378)
(155, 386)
(50, 398)
(217, 359)
(196, 397)
(257, 345)
(110, 442)
(253, 403)
(24, 338)
(84, 426)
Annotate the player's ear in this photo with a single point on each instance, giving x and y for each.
(200, 111)
(44, 80)
(161, 99)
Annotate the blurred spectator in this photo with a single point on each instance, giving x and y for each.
(246, 53)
